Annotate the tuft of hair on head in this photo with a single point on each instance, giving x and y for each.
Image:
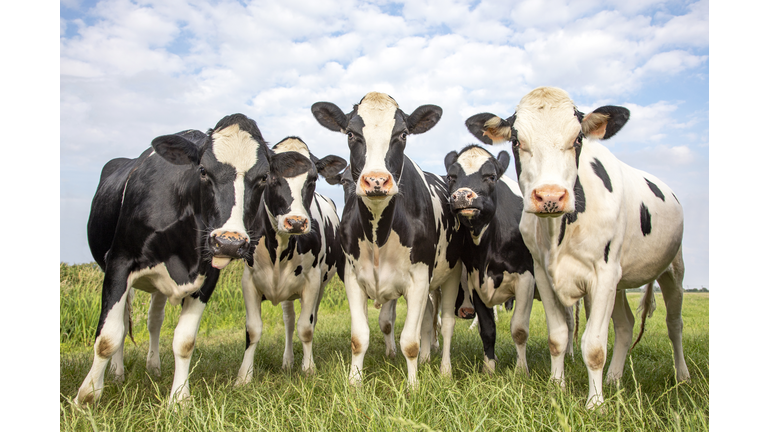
(379, 100)
(496, 129)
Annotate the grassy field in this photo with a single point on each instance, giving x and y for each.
(648, 398)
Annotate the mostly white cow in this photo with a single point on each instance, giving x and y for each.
(166, 223)
(296, 249)
(397, 232)
(594, 225)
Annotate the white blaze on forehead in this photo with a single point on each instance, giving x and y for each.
(235, 147)
(378, 113)
(292, 144)
(296, 184)
(472, 159)
(546, 116)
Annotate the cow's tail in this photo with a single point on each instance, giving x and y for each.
(129, 312)
(645, 310)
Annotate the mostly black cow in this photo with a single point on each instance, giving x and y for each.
(166, 223)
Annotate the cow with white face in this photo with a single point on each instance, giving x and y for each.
(499, 266)
(397, 232)
(296, 249)
(594, 225)
(166, 223)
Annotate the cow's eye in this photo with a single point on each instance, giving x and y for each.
(203, 172)
(490, 177)
(403, 135)
(350, 135)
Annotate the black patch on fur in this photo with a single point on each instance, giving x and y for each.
(311, 318)
(562, 231)
(581, 206)
(645, 219)
(600, 171)
(298, 271)
(247, 339)
(655, 189)
(607, 251)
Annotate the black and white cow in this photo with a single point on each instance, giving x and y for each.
(296, 249)
(398, 234)
(594, 225)
(499, 266)
(166, 223)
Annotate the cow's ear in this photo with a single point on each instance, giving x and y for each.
(177, 149)
(330, 167)
(330, 116)
(489, 128)
(503, 160)
(450, 159)
(423, 118)
(604, 122)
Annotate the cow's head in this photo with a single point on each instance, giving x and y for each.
(472, 177)
(290, 188)
(376, 131)
(232, 167)
(547, 133)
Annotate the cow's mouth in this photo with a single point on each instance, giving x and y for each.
(469, 212)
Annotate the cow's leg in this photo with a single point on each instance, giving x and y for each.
(466, 310)
(117, 366)
(623, 322)
(289, 319)
(557, 327)
(360, 332)
(108, 336)
(450, 290)
(310, 298)
(253, 327)
(436, 298)
(569, 320)
(387, 316)
(416, 297)
(594, 341)
(521, 317)
(426, 332)
(184, 345)
(671, 283)
(155, 318)
(487, 329)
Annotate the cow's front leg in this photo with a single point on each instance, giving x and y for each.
(117, 366)
(427, 332)
(310, 298)
(184, 345)
(594, 341)
(289, 319)
(521, 317)
(556, 325)
(155, 318)
(387, 317)
(623, 322)
(450, 290)
(360, 332)
(487, 329)
(253, 327)
(108, 339)
(416, 297)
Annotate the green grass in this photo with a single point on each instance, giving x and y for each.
(648, 399)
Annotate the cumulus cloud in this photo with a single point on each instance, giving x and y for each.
(133, 70)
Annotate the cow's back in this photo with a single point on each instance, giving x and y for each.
(105, 207)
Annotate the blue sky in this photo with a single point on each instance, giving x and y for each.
(133, 70)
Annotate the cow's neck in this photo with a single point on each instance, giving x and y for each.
(377, 218)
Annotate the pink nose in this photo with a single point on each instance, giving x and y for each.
(295, 224)
(464, 196)
(376, 183)
(549, 199)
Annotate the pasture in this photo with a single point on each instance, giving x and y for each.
(276, 400)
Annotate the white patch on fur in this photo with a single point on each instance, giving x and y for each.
(157, 278)
(472, 159)
(292, 144)
(378, 113)
(235, 147)
(295, 184)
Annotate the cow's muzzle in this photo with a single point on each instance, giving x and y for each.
(549, 200)
(295, 225)
(376, 184)
(226, 246)
(462, 203)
